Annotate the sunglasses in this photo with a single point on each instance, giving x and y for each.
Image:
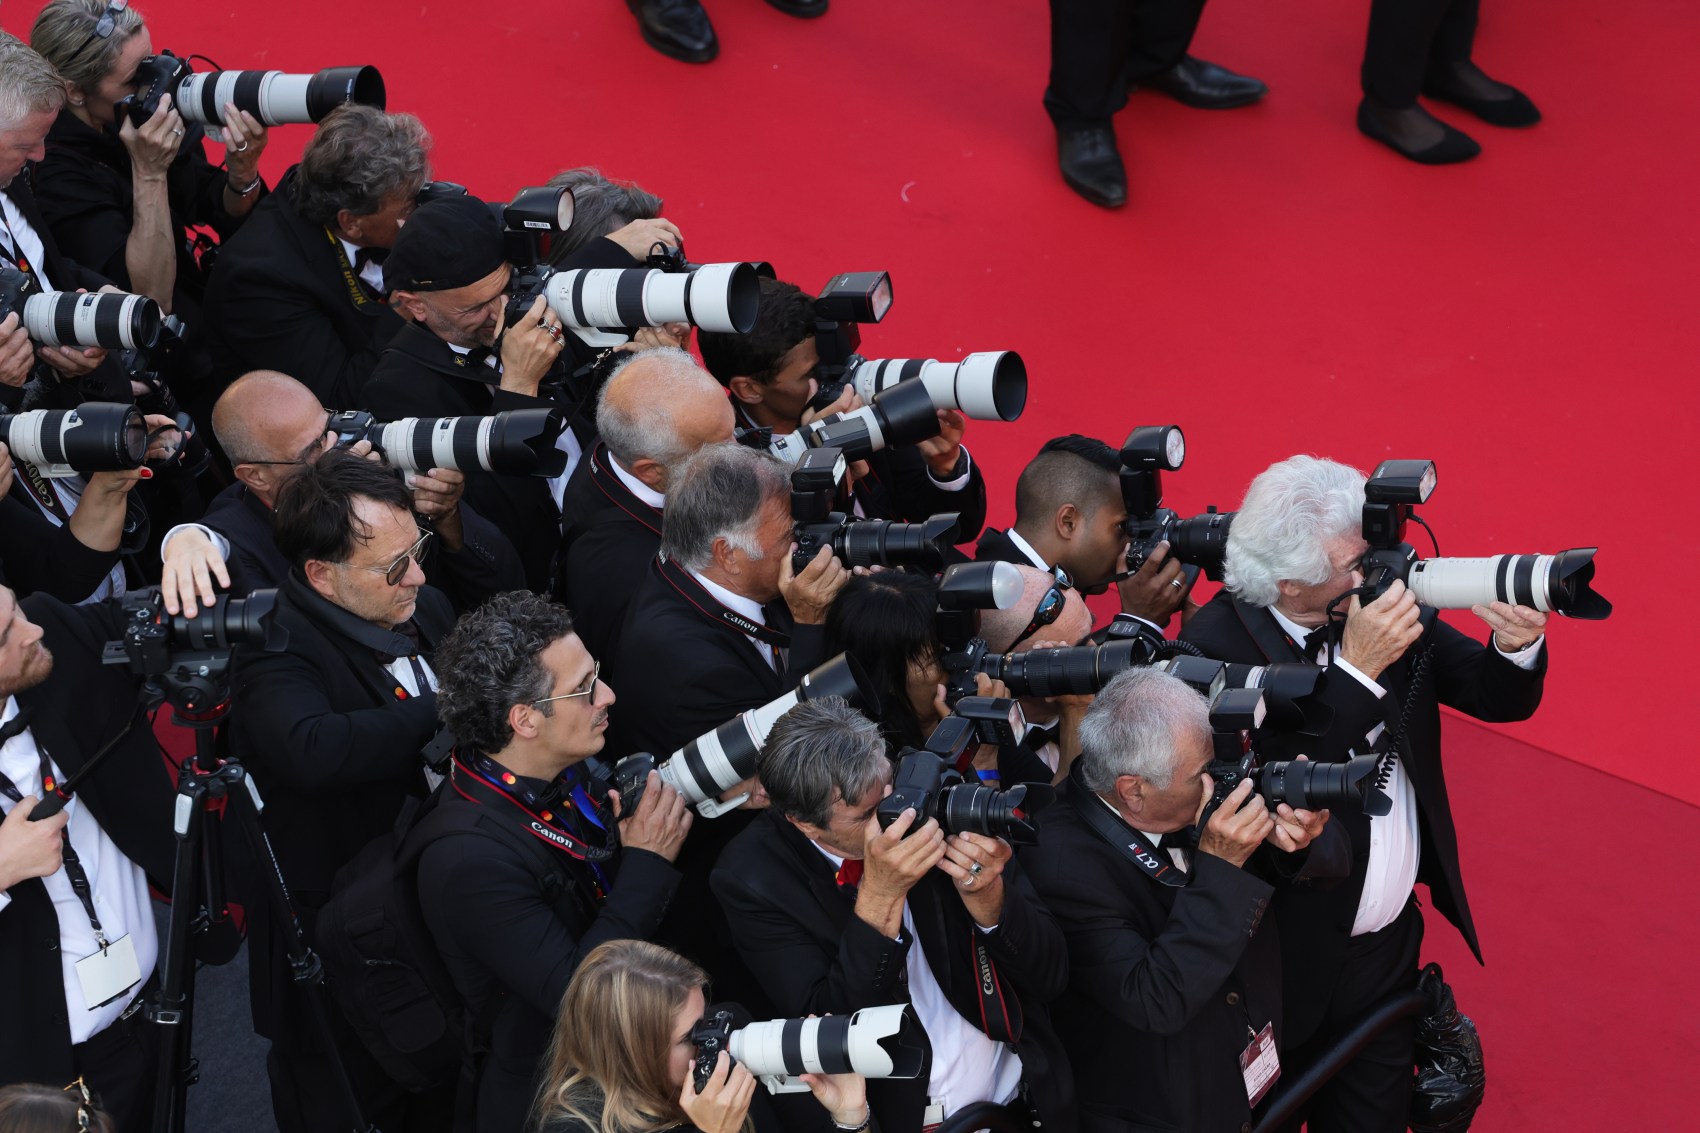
(104, 26)
(1050, 608)
(85, 1120)
(587, 690)
(396, 571)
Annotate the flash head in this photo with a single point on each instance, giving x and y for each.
(539, 209)
(855, 297)
(1401, 482)
(1157, 448)
(980, 586)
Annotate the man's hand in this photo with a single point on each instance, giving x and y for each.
(1232, 832)
(153, 145)
(640, 236)
(1378, 634)
(725, 1098)
(810, 594)
(1157, 589)
(529, 348)
(30, 849)
(847, 401)
(660, 822)
(192, 562)
(1296, 829)
(71, 362)
(943, 451)
(5, 470)
(891, 865)
(436, 496)
(675, 335)
(1514, 627)
(844, 1096)
(17, 352)
(981, 889)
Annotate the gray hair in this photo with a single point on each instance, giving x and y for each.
(719, 494)
(491, 661)
(1281, 531)
(600, 206)
(357, 159)
(64, 34)
(818, 752)
(639, 424)
(28, 83)
(1132, 727)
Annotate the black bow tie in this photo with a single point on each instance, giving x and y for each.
(1315, 642)
(408, 629)
(364, 256)
(1185, 838)
(479, 356)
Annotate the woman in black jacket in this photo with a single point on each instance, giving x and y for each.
(622, 1056)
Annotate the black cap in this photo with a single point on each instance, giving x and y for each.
(446, 243)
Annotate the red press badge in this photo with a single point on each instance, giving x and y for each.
(1260, 1064)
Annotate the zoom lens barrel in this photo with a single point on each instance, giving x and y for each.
(1549, 583)
(987, 386)
(105, 319)
(715, 297)
(519, 442)
(97, 436)
(276, 98)
(1307, 785)
(1077, 670)
(879, 542)
(875, 1042)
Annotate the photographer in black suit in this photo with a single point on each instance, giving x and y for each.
(834, 913)
(300, 288)
(772, 373)
(1174, 972)
(331, 731)
(525, 873)
(1296, 545)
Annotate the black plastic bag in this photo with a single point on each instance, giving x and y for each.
(1451, 1078)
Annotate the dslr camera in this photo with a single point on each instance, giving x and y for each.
(964, 590)
(875, 1042)
(189, 657)
(115, 321)
(931, 781)
(857, 542)
(1549, 583)
(273, 97)
(1200, 542)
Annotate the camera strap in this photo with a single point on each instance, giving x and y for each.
(1130, 843)
(709, 607)
(41, 491)
(602, 476)
(357, 288)
(1000, 1014)
(489, 784)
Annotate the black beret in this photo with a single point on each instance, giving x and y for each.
(445, 244)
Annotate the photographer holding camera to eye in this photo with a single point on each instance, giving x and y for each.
(1173, 966)
(300, 288)
(332, 731)
(1070, 515)
(834, 911)
(528, 867)
(1296, 548)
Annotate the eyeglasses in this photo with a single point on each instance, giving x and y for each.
(1050, 608)
(396, 571)
(85, 1120)
(103, 27)
(587, 690)
(313, 450)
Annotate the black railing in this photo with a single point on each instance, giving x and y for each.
(987, 1115)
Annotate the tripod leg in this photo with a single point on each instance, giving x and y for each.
(172, 1010)
(243, 809)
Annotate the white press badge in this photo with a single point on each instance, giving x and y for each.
(1260, 1064)
(109, 972)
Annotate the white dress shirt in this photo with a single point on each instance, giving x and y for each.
(372, 272)
(748, 607)
(968, 1066)
(637, 487)
(24, 238)
(1395, 842)
(119, 888)
(1026, 548)
(566, 442)
(1177, 853)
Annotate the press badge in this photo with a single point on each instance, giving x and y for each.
(1260, 1064)
(109, 972)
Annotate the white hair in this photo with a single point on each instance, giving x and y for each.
(28, 83)
(1291, 511)
(1134, 727)
(639, 424)
(719, 493)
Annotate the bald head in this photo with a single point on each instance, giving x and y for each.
(999, 628)
(262, 414)
(658, 409)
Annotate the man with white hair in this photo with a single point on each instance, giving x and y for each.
(657, 409)
(1296, 546)
(1174, 973)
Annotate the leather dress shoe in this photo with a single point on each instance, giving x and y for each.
(1206, 86)
(676, 28)
(1092, 165)
(1514, 111)
(1454, 145)
(802, 9)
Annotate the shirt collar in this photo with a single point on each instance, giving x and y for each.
(748, 607)
(1293, 629)
(1026, 548)
(1154, 839)
(639, 489)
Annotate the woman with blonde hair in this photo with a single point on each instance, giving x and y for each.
(621, 1058)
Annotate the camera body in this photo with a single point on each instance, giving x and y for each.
(189, 657)
(156, 77)
(964, 590)
(856, 542)
(931, 781)
(273, 97)
(1201, 541)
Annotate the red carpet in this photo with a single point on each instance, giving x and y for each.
(1277, 284)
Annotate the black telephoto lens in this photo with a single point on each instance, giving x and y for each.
(978, 809)
(878, 542)
(97, 436)
(1078, 670)
(1306, 785)
(229, 622)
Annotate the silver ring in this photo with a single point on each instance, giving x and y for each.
(975, 868)
(238, 149)
(178, 131)
(968, 882)
(1176, 583)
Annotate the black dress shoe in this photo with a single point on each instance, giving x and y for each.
(1454, 145)
(1515, 110)
(1092, 165)
(676, 28)
(1207, 85)
(803, 9)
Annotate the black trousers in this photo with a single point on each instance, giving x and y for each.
(1372, 1094)
(1408, 39)
(1098, 47)
(119, 1065)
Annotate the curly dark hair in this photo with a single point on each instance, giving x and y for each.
(491, 661)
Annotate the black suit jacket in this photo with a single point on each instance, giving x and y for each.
(611, 538)
(278, 299)
(420, 376)
(82, 706)
(1463, 674)
(513, 924)
(798, 930)
(997, 546)
(1163, 981)
(899, 486)
(38, 555)
(486, 564)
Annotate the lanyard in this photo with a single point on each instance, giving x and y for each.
(357, 288)
(74, 871)
(477, 780)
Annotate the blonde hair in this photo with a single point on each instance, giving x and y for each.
(64, 34)
(607, 1062)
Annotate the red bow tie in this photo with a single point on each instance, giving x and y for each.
(850, 873)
